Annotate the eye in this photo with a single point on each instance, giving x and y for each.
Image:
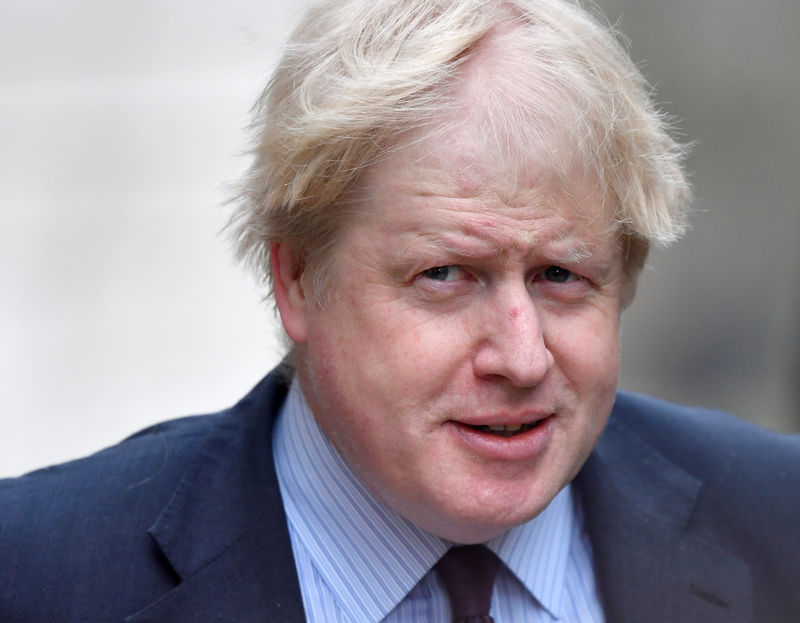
(443, 273)
(557, 274)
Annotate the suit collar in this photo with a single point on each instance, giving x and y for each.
(225, 520)
(650, 567)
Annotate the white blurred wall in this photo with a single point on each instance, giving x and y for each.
(120, 122)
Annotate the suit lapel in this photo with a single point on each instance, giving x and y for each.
(649, 566)
(224, 532)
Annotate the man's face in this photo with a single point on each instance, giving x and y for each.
(466, 360)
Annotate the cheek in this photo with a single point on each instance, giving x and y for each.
(374, 358)
(586, 348)
(405, 339)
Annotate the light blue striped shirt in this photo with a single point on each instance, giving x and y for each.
(358, 562)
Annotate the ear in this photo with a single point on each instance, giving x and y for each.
(289, 294)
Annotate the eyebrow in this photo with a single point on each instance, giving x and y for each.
(561, 250)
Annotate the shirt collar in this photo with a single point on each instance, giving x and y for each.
(354, 539)
(537, 552)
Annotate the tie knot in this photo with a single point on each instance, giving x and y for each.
(468, 572)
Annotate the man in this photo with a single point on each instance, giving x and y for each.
(452, 202)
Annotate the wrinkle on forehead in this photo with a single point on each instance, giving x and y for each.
(480, 235)
(531, 197)
(565, 240)
(460, 164)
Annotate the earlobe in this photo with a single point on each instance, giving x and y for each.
(289, 293)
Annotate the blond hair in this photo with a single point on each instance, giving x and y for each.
(358, 74)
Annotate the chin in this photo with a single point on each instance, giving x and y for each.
(475, 530)
(478, 522)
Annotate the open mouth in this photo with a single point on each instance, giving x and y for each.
(508, 430)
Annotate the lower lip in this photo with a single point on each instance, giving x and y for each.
(520, 447)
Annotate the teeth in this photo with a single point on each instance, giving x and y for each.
(507, 430)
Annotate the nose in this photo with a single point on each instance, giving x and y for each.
(512, 341)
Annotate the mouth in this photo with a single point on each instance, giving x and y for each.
(507, 430)
(517, 441)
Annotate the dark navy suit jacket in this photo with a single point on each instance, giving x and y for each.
(693, 516)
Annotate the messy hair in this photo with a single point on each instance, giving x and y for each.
(358, 75)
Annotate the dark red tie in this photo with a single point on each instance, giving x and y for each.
(467, 572)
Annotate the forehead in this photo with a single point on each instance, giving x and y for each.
(460, 162)
(448, 195)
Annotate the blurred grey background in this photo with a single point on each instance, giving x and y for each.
(120, 123)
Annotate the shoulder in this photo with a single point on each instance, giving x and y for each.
(139, 466)
(749, 476)
(714, 495)
(75, 537)
(708, 441)
(145, 466)
(64, 527)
